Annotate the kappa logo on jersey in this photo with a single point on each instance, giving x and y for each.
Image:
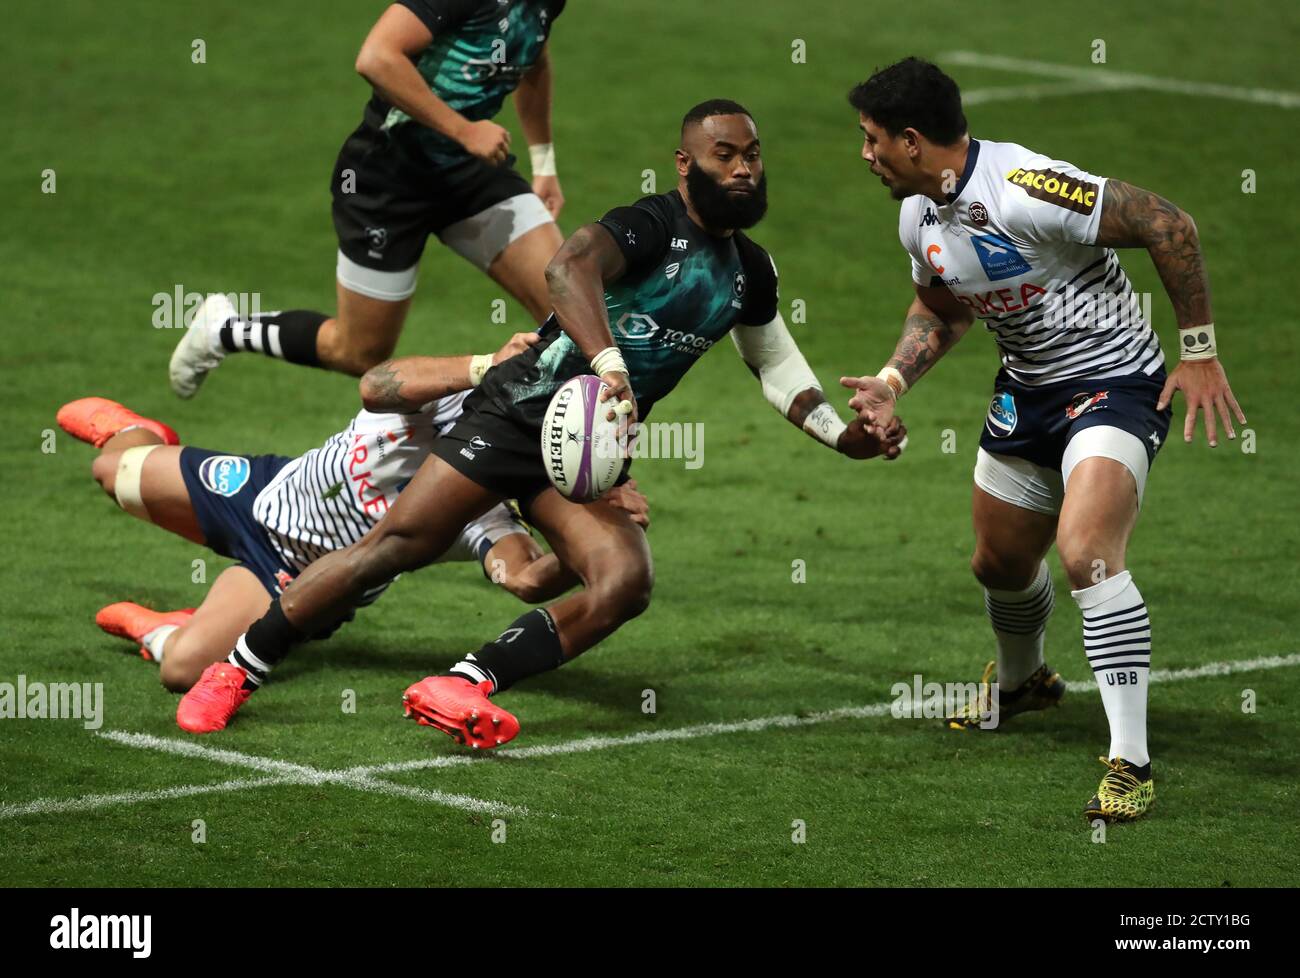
(1002, 418)
(1057, 188)
(929, 218)
(998, 256)
(1083, 403)
(225, 474)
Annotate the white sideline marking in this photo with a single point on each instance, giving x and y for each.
(790, 720)
(1106, 78)
(301, 774)
(363, 778)
(1019, 93)
(86, 803)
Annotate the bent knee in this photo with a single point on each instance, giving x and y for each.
(1002, 572)
(624, 593)
(355, 350)
(1087, 563)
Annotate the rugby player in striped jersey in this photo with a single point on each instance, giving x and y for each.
(1027, 244)
(276, 515)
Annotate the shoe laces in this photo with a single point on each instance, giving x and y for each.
(1120, 778)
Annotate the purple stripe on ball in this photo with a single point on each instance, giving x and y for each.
(590, 383)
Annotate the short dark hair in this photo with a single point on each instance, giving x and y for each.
(912, 94)
(714, 106)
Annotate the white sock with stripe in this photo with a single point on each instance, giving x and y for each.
(1117, 640)
(1019, 619)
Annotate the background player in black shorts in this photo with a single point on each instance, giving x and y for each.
(657, 283)
(426, 159)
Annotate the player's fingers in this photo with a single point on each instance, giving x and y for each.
(1211, 429)
(1189, 422)
(1167, 393)
(1241, 416)
(853, 382)
(1222, 407)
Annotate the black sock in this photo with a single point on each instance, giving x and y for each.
(265, 645)
(529, 646)
(284, 335)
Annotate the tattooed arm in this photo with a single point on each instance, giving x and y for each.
(1135, 218)
(406, 384)
(935, 322)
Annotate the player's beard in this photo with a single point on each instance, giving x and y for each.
(717, 208)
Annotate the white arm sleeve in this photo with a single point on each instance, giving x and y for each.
(772, 351)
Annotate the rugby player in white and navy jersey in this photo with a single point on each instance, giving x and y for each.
(1025, 243)
(276, 515)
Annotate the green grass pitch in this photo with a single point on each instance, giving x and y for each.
(214, 176)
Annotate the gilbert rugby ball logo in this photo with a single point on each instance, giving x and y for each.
(225, 474)
(1001, 421)
(555, 436)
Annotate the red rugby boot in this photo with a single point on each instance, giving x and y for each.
(213, 700)
(461, 710)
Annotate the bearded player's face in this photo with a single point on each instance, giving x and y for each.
(723, 168)
(888, 158)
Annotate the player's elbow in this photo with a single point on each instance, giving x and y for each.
(371, 61)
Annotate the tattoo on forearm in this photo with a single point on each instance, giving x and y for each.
(384, 385)
(804, 404)
(1135, 218)
(925, 339)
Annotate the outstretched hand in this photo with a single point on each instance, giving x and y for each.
(1205, 388)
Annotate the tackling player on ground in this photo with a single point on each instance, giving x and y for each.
(426, 159)
(639, 297)
(275, 515)
(1026, 243)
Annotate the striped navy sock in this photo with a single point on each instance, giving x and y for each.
(1117, 640)
(284, 335)
(1019, 619)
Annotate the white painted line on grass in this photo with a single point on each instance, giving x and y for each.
(86, 803)
(303, 775)
(789, 720)
(364, 777)
(1022, 93)
(1105, 76)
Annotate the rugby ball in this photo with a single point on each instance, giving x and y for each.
(580, 447)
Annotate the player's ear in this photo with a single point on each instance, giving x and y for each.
(911, 142)
(683, 161)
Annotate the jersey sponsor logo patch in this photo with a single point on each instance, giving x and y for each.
(998, 256)
(930, 254)
(1002, 418)
(929, 218)
(979, 214)
(225, 474)
(1083, 403)
(672, 270)
(1057, 188)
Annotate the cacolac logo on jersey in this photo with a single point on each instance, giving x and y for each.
(1057, 188)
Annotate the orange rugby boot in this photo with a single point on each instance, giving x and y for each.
(97, 419)
(213, 700)
(126, 619)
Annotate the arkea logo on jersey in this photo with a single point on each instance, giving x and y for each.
(224, 474)
(1002, 418)
(1057, 188)
(998, 256)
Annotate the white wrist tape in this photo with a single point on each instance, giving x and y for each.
(897, 383)
(608, 360)
(782, 369)
(825, 425)
(479, 364)
(1197, 343)
(543, 159)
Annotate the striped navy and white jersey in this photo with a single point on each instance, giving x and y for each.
(328, 498)
(1017, 244)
